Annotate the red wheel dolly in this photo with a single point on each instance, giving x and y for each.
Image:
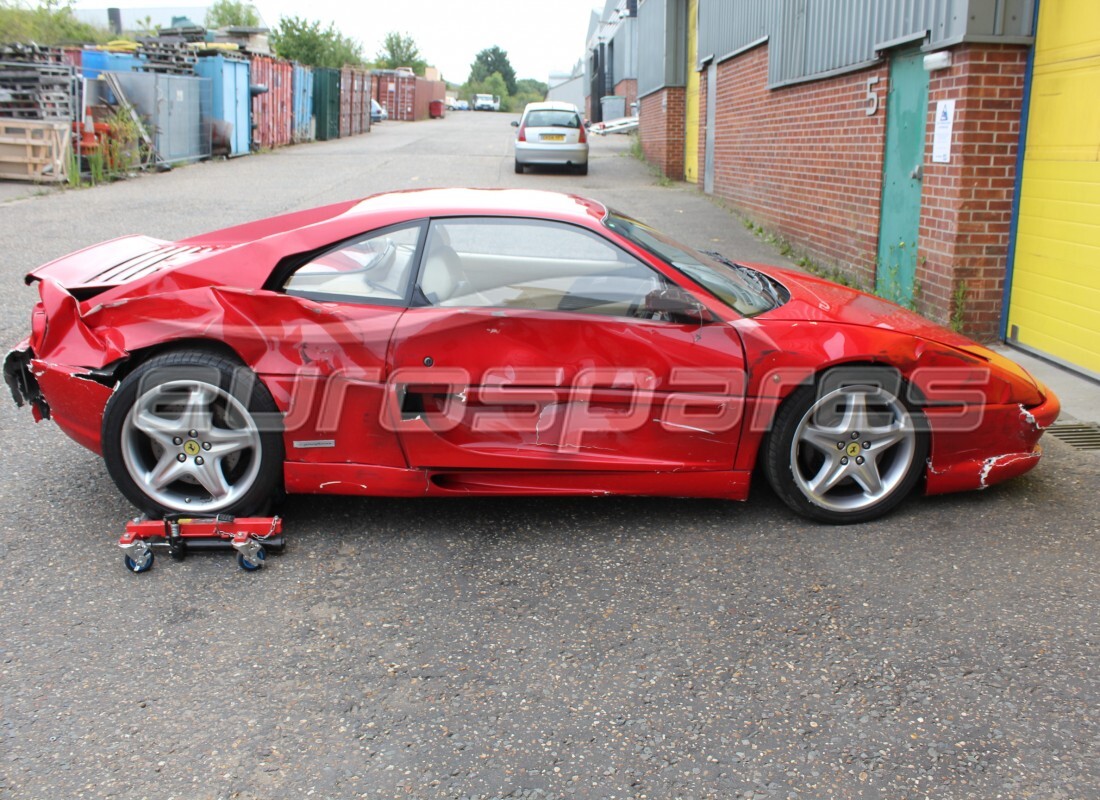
(178, 533)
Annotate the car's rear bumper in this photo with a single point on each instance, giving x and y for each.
(527, 153)
(72, 397)
(21, 381)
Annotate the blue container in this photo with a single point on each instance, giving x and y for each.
(303, 104)
(94, 62)
(227, 107)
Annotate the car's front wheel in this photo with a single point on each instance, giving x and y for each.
(194, 432)
(848, 448)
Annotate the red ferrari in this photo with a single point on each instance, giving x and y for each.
(499, 342)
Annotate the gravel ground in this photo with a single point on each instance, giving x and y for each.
(542, 648)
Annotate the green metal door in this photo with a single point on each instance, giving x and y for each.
(326, 102)
(903, 170)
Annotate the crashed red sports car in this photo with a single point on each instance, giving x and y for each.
(500, 342)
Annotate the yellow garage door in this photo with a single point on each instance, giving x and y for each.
(691, 100)
(1054, 306)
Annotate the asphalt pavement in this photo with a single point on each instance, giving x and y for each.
(542, 648)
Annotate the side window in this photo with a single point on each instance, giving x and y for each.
(373, 268)
(534, 264)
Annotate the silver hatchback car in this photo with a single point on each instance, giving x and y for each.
(551, 133)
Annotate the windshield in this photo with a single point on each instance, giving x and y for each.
(745, 290)
(553, 119)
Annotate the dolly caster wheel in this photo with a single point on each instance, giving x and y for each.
(253, 562)
(143, 563)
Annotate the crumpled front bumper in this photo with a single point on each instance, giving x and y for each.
(1005, 445)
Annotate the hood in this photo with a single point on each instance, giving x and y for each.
(819, 300)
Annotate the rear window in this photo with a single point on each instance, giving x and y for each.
(553, 119)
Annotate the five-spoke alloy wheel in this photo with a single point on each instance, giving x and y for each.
(193, 432)
(847, 449)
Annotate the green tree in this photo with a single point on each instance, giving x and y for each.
(531, 86)
(232, 14)
(50, 22)
(400, 51)
(300, 40)
(494, 85)
(528, 90)
(490, 60)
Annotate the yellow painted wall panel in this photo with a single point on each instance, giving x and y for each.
(1068, 30)
(1055, 300)
(1065, 126)
(691, 99)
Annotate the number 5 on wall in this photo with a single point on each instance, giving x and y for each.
(872, 96)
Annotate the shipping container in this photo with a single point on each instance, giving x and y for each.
(227, 107)
(354, 101)
(395, 90)
(326, 103)
(303, 104)
(273, 110)
(172, 108)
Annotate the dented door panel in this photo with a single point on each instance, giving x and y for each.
(524, 389)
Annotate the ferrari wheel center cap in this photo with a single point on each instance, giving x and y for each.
(854, 449)
(192, 448)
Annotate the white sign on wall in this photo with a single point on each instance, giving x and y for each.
(941, 137)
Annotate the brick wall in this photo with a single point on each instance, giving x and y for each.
(661, 126)
(629, 90)
(805, 160)
(967, 204)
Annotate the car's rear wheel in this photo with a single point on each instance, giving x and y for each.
(582, 169)
(194, 432)
(848, 448)
(519, 168)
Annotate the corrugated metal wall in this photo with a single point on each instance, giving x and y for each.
(303, 104)
(662, 40)
(272, 111)
(624, 65)
(726, 27)
(651, 46)
(808, 38)
(818, 37)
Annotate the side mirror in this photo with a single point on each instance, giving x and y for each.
(515, 123)
(676, 305)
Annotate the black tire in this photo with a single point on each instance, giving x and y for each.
(848, 448)
(582, 169)
(212, 416)
(519, 168)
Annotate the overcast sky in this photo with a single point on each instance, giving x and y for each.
(539, 37)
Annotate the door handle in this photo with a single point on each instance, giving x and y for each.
(917, 173)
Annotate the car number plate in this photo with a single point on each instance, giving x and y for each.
(553, 137)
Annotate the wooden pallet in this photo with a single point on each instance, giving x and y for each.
(34, 150)
(37, 91)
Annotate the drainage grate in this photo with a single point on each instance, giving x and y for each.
(1082, 435)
